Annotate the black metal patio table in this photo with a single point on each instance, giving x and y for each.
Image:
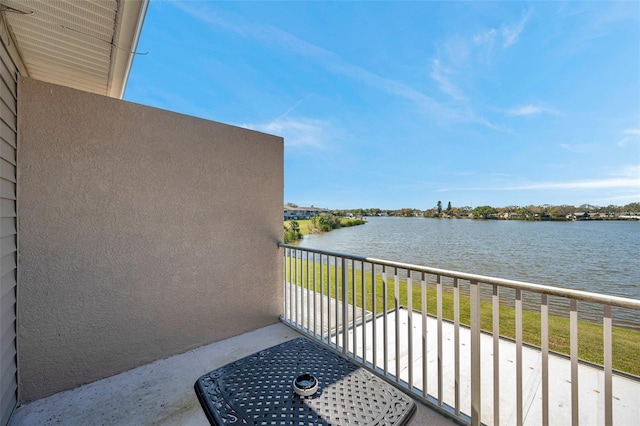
(258, 390)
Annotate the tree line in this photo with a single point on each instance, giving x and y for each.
(531, 212)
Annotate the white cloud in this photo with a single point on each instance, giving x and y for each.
(623, 198)
(441, 75)
(331, 61)
(609, 183)
(485, 37)
(525, 110)
(629, 171)
(633, 137)
(576, 148)
(623, 142)
(587, 184)
(511, 33)
(530, 110)
(328, 59)
(300, 132)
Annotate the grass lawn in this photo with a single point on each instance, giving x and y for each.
(626, 342)
(304, 225)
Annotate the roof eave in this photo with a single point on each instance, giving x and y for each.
(123, 50)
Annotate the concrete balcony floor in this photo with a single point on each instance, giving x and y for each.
(161, 393)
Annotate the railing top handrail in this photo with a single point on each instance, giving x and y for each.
(585, 296)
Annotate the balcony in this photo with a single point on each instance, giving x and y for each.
(132, 264)
(472, 375)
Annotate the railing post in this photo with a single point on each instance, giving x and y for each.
(284, 282)
(476, 400)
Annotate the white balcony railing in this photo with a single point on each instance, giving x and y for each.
(481, 349)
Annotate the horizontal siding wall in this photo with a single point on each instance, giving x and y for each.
(8, 237)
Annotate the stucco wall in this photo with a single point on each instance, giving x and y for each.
(142, 233)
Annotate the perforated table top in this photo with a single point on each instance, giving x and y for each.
(258, 390)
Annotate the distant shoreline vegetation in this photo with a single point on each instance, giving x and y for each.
(294, 230)
(530, 213)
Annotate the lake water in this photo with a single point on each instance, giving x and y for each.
(597, 256)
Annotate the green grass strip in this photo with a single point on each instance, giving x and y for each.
(625, 346)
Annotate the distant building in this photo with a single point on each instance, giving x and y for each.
(581, 216)
(511, 216)
(302, 213)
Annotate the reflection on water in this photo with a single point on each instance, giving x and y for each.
(596, 256)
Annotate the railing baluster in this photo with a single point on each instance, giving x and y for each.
(608, 369)
(322, 297)
(285, 283)
(329, 317)
(544, 325)
(440, 337)
(410, 327)
(307, 293)
(353, 308)
(495, 299)
(315, 300)
(476, 397)
(573, 319)
(296, 301)
(424, 334)
(364, 315)
(335, 300)
(290, 287)
(519, 383)
(345, 308)
(374, 310)
(385, 332)
(396, 298)
(327, 298)
(456, 345)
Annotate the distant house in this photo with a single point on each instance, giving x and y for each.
(581, 216)
(511, 215)
(629, 215)
(302, 213)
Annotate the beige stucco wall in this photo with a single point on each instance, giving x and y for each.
(142, 233)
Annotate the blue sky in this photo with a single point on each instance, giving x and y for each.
(403, 104)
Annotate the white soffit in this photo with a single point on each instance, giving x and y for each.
(84, 44)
